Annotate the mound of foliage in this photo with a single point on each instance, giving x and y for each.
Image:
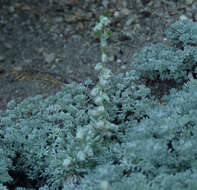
(172, 62)
(56, 143)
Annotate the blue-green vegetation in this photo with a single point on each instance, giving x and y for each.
(123, 140)
(173, 61)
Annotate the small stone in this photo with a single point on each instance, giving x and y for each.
(59, 78)
(59, 19)
(111, 58)
(123, 67)
(119, 61)
(80, 27)
(11, 9)
(71, 2)
(53, 67)
(190, 76)
(26, 8)
(129, 21)
(49, 58)
(2, 70)
(2, 58)
(18, 68)
(104, 185)
(116, 14)
(78, 17)
(183, 17)
(41, 51)
(119, 25)
(71, 19)
(189, 2)
(27, 61)
(7, 45)
(67, 162)
(57, 60)
(125, 11)
(105, 3)
(111, 11)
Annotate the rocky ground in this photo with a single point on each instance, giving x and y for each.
(45, 44)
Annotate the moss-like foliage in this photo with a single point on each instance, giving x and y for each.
(172, 62)
(54, 143)
(44, 134)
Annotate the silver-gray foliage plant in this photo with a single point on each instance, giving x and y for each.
(56, 142)
(173, 61)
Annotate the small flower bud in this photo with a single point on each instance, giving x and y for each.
(94, 92)
(98, 27)
(98, 67)
(88, 150)
(105, 185)
(104, 20)
(67, 162)
(103, 82)
(101, 109)
(105, 97)
(100, 124)
(80, 133)
(81, 156)
(104, 57)
(94, 113)
(106, 74)
(103, 43)
(99, 100)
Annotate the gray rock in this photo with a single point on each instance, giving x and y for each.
(2, 58)
(49, 58)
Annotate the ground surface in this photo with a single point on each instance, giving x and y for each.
(44, 46)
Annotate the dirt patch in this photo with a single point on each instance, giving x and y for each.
(47, 44)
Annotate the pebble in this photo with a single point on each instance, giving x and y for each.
(18, 68)
(2, 58)
(125, 11)
(105, 3)
(129, 21)
(59, 19)
(80, 27)
(116, 14)
(57, 60)
(49, 58)
(111, 58)
(78, 17)
(41, 51)
(53, 67)
(183, 17)
(123, 67)
(119, 61)
(7, 45)
(11, 9)
(71, 2)
(189, 2)
(119, 25)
